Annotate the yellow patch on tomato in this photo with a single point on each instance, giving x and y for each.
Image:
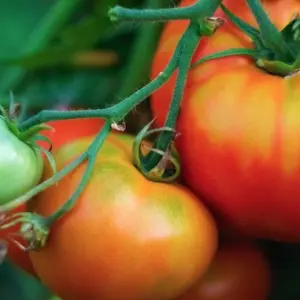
(257, 119)
(291, 126)
(236, 113)
(224, 40)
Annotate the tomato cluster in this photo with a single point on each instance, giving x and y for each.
(130, 238)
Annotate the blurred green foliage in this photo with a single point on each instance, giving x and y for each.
(45, 46)
(17, 285)
(68, 53)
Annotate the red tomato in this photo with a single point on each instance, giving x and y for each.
(126, 237)
(239, 272)
(239, 129)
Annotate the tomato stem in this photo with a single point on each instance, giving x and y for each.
(115, 113)
(137, 71)
(196, 11)
(187, 46)
(91, 155)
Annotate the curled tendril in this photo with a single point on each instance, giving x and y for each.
(168, 168)
(33, 230)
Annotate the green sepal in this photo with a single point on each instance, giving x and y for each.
(43, 138)
(168, 169)
(291, 33)
(270, 36)
(49, 156)
(275, 67)
(32, 131)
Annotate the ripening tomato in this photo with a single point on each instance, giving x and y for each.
(239, 271)
(239, 128)
(21, 168)
(126, 237)
(64, 131)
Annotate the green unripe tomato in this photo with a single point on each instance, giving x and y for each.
(21, 165)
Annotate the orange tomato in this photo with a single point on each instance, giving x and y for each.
(239, 128)
(126, 237)
(239, 271)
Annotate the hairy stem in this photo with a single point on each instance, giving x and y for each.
(137, 71)
(91, 154)
(270, 35)
(116, 112)
(195, 11)
(187, 44)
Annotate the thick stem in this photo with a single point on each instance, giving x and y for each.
(116, 112)
(188, 44)
(92, 156)
(136, 73)
(196, 11)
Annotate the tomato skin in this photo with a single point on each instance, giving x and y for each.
(126, 237)
(239, 271)
(239, 129)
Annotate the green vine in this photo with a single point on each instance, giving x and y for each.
(276, 52)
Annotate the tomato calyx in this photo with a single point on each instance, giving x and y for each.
(168, 168)
(34, 230)
(11, 120)
(276, 52)
(31, 135)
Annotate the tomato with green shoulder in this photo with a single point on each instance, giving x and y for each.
(63, 131)
(126, 237)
